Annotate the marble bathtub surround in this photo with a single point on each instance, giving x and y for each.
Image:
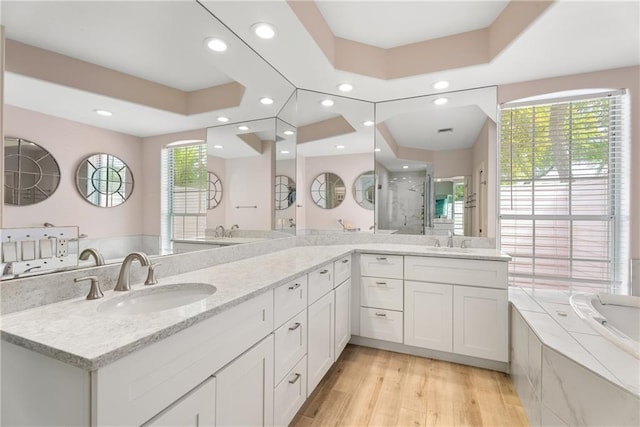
(75, 332)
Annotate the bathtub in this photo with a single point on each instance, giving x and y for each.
(615, 317)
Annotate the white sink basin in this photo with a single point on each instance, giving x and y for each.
(157, 298)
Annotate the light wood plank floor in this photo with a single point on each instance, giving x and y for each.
(370, 387)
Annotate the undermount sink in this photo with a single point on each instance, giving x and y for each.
(157, 298)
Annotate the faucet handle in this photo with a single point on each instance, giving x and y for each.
(463, 244)
(436, 242)
(151, 275)
(95, 292)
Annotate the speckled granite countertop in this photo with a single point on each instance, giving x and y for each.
(74, 332)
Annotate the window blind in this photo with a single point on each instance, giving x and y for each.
(563, 192)
(185, 189)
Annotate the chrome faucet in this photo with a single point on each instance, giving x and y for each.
(221, 229)
(123, 278)
(233, 227)
(450, 239)
(91, 252)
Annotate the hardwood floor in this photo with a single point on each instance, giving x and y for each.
(370, 387)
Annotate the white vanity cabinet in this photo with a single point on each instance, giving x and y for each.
(428, 315)
(196, 409)
(343, 316)
(321, 347)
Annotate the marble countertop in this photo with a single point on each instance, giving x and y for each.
(75, 332)
(552, 318)
(223, 241)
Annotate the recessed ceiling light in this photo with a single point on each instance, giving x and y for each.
(340, 147)
(284, 152)
(405, 167)
(288, 132)
(377, 150)
(216, 45)
(442, 84)
(243, 127)
(219, 147)
(264, 30)
(223, 119)
(103, 113)
(327, 102)
(266, 101)
(345, 87)
(441, 101)
(368, 123)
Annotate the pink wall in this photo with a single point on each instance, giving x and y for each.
(70, 142)
(448, 163)
(347, 167)
(216, 216)
(629, 78)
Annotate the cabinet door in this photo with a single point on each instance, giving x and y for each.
(196, 409)
(480, 322)
(244, 395)
(320, 349)
(343, 316)
(428, 315)
(290, 394)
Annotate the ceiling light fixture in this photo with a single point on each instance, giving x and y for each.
(284, 152)
(266, 101)
(223, 119)
(405, 167)
(219, 147)
(377, 150)
(104, 113)
(441, 101)
(345, 87)
(264, 31)
(340, 147)
(368, 123)
(327, 102)
(288, 132)
(216, 45)
(243, 127)
(442, 84)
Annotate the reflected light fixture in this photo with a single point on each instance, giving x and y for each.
(266, 101)
(368, 123)
(327, 102)
(243, 127)
(441, 101)
(340, 147)
(219, 147)
(377, 150)
(216, 45)
(223, 119)
(405, 167)
(284, 152)
(104, 113)
(345, 87)
(442, 84)
(263, 30)
(288, 132)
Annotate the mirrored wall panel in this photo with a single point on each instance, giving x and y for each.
(364, 190)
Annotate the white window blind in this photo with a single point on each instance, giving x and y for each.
(563, 192)
(185, 189)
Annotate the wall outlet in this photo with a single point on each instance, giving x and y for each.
(62, 248)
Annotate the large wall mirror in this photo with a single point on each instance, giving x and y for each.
(434, 163)
(104, 180)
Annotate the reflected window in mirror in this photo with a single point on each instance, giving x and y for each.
(104, 180)
(31, 174)
(364, 190)
(214, 190)
(186, 196)
(328, 190)
(285, 192)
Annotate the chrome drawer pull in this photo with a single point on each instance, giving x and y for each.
(381, 314)
(294, 287)
(324, 271)
(381, 258)
(344, 261)
(295, 326)
(381, 283)
(295, 380)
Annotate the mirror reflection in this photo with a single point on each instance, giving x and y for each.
(104, 180)
(214, 191)
(364, 190)
(285, 192)
(327, 190)
(31, 174)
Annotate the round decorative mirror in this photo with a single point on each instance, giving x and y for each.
(328, 190)
(364, 190)
(285, 192)
(31, 174)
(214, 190)
(104, 180)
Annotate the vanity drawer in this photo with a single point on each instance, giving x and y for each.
(389, 266)
(290, 394)
(320, 282)
(489, 274)
(341, 270)
(290, 299)
(379, 292)
(381, 324)
(290, 344)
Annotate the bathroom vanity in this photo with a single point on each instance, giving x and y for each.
(255, 349)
